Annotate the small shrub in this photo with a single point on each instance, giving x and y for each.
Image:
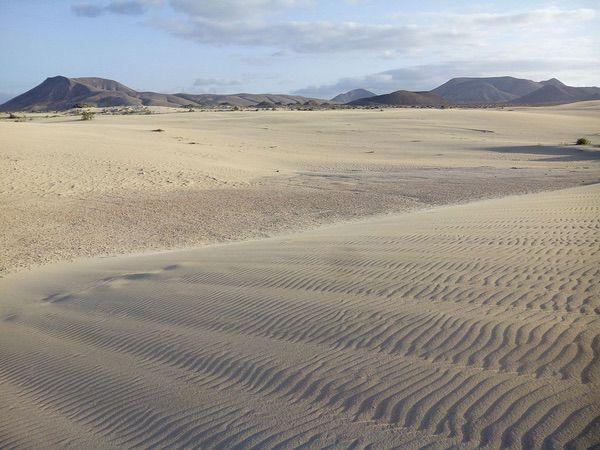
(583, 141)
(12, 116)
(158, 130)
(87, 115)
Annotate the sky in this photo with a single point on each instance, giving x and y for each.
(309, 47)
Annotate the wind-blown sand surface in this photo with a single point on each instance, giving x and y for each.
(71, 188)
(469, 326)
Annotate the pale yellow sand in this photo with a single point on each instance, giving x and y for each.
(469, 326)
(71, 188)
(465, 326)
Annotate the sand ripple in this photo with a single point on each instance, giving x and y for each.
(467, 326)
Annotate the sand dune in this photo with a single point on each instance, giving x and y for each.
(70, 188)
(464, 326)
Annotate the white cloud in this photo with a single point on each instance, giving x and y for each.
(527, 18)
(234, 9)
(255, 23)
(248, 23)
(129, 7)
(311, 37)
(87, 10)
(561, 40)
(211, 82)
(124, 7)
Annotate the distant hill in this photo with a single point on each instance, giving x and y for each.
(553, 93)
(246, 100)
(485, 90)
(60, 93)
(350, 96)
(512, 90)
(402, 98)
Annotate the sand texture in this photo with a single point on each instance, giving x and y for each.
(469, 326)
(71, 188)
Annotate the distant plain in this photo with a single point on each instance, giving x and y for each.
(70, 188)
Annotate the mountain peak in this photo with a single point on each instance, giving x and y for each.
(57, 78)
(350, 96)
(498, 90)
(553, 82)
(485, 90)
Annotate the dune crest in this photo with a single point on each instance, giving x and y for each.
(473, 325)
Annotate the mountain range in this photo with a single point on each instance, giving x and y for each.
(512, 90)
(60, 93)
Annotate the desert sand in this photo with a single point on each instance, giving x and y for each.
(472, 326)
(70, 188)
(423, 279)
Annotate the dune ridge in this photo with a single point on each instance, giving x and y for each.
(473, 326)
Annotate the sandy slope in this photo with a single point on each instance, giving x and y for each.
(70, 188)
(473, 325)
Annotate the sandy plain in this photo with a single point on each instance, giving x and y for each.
(70, 188)
(447, 322)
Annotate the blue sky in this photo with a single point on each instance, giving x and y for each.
(311, 47)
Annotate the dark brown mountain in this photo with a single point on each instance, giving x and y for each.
(60, 93)
(350, 96)
(402, 98)
(485, 90)
(498, 90)
(553, 93)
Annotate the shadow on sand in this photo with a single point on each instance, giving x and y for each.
(553, 153)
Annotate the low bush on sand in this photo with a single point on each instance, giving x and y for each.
(87, 115)
(583, 141)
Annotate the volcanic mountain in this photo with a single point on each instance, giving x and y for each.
(350, 96)
(402, 98)
(60, 93)
(512, 90)
(553, 91)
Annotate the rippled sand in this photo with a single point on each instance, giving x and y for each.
(463, 326)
